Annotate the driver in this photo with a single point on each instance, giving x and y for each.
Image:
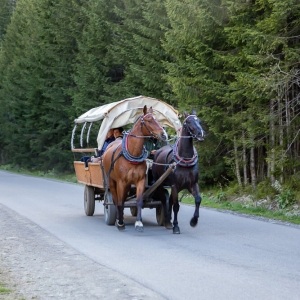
(109, 138)
(152, 145)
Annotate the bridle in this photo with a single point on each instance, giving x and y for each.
(186, 126)
(143, 123)
(186, 162)
(136, 159)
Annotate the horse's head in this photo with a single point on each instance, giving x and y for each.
(193, 125)
(150, 126)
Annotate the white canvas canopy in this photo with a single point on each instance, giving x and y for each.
(126, 112)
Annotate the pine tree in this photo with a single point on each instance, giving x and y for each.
(197, 43)
(138, 48)
(6, 11)
(262, 36)
(39, 52)
(92, 64)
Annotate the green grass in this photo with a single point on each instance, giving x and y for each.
(3, 289)
(49, 174)
(280, 215)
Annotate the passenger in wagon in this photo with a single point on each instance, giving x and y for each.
(118, 133)
(109, 138)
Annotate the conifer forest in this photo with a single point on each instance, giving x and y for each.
(236, 62)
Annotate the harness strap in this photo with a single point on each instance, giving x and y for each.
(184, 162)
(114, 160)
(106, 177)
(187, 127)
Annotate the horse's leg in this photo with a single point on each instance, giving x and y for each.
(113, 190)
(140, 187)
(168, 212)
(174, 195)
(196, 193)
(121, 194)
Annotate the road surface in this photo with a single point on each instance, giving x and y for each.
(226, 256)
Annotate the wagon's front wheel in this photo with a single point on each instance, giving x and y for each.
(89, 200)
(160, 212)
(110, 212)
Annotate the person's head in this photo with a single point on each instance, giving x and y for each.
(118, 132)
(110, 133)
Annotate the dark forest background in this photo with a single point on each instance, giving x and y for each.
(235, 62)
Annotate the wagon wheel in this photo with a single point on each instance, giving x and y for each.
(133, 211)
(110, 213)
(160, 215)
(160, 212)
(89, 200)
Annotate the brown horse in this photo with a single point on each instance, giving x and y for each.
(185, 175)
(124, 163)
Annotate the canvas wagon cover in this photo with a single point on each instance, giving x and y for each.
(126, 111)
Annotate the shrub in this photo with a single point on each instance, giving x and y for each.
(285, 198)
(220, 197)
(265, 190)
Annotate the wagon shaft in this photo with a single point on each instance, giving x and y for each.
(159, 181)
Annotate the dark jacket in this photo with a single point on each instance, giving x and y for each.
(153, 144)
(106, 143)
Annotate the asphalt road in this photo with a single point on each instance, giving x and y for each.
(225, 257)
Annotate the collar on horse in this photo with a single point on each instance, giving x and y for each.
(132, 159)
(181, 161)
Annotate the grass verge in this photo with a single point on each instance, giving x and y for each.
(284, 215)
(49, 174)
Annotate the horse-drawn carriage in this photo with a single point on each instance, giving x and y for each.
(120, 178)
(93, 175)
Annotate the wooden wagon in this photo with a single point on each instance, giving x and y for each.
(114, 115)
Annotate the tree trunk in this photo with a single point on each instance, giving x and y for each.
(272, 142)
(246, 182)
(252, 165)
(280, 115)
(237, 166)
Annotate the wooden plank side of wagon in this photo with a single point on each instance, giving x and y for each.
(91, 175)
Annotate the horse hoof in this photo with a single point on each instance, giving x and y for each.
(139, 226)
(120, 226)
(194, 222)
(176, 230)
(168, 225)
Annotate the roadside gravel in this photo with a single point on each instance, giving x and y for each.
(36, 265)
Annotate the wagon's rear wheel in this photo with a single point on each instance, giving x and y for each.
(133, 211)
(110, 213)
(89, 200)
(160, 211)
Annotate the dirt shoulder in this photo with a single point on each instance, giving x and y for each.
(36, 265)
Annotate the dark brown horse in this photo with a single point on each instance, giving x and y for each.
(185, 175)
(124, 163)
